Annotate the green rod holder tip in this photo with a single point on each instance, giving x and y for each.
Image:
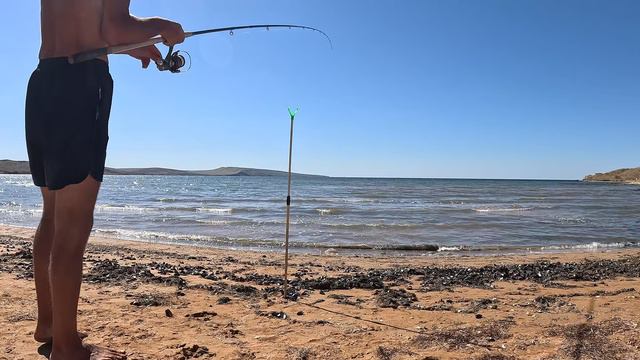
(293, 113)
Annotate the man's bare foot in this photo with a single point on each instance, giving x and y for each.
(89, 352)
(44, 336)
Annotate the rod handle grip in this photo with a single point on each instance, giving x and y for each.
(92, 54)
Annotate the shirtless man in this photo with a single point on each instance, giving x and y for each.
(67, 112)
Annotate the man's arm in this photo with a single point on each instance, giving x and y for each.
(120, 27)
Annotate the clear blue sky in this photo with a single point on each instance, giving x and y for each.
(412, 88)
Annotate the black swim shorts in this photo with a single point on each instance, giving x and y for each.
(66, 120)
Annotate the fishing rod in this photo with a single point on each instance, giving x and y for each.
(174, 61)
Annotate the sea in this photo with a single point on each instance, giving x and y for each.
(362, 215)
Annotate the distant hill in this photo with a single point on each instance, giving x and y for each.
(14, 167)
(631, 176)
(237, 171)
(146, 171)
(22, 167)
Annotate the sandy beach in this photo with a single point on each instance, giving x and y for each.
(175, 302)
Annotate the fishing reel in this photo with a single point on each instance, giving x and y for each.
(174, 61)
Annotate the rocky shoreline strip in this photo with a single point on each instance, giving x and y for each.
(433, 278)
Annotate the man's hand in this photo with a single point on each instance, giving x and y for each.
(172, 33)
(146, 55)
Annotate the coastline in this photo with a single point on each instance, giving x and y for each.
(364, 250)
(621, 182)
(159, 301)
(629, 176)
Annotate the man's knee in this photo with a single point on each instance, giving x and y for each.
(70, 242)
(73, 226)
(74, 214)
(64, 251)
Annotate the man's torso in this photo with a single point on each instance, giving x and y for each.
(70, 26)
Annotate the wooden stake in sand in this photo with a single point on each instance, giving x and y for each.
(286, 233)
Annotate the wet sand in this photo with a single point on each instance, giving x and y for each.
(176, 302)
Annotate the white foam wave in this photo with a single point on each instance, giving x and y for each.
(20, 183)
(214, 222)
(226, 211)
(10, 204)
(571, 220)
(21, 212)
(365, 226)
(449, 248)
(150, 235)
(591, 246)
(514, 209)
(123, 209)
(338, 200)
(330, 211)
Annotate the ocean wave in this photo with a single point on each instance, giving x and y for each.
(377, 247)
(450, 248)
(217, 241)
(10, 204)
(331, 211)
(124, 209)
(572, 220)
(592, 246)
(188, 239)
(224, 211)
(168, 200)
(20, 183)
(21, 211)
(513, 209)
(152, 235)
(225, 222)
(336, 200)
(371, 226)
(451, 202)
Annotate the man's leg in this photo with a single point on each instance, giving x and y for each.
(73, 222)
(42, 244)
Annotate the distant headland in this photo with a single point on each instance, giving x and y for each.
(627, 176)
(22, 167)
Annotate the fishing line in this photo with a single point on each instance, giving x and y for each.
(582, 331)
(360, 318)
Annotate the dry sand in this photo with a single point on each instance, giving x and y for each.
(174, 302)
